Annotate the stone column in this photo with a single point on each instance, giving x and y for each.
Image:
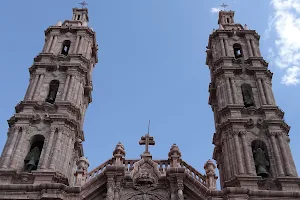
(38, 87)
(226, 158)
(254, 48)
(76, 89)
(235, 99)
(36, 78)
(49, 44)
(48, 148)
(18, 149)
(117, 188)
(79, 96)
(180, 188)
(67, 153)
(70, 89)
(86, 47)
(110, 185)
(276, 154)
(76, 44)
(17, 154)
(238, 152)
(269, 100)
(229, 93)
(261, 91)
(246, 154)
(249, 48)
(222, 47)
(285, 157)
(10, 148)
(66, 87)
(79, 49)
(53, 44)
(226, 47)
(56, 149)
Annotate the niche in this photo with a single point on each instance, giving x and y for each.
(247, 95)
(66, 47)
(261, 158)
(32, 159)
(238, 52)
(53, 88)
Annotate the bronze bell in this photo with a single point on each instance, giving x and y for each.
(261, 171)
(30, 165)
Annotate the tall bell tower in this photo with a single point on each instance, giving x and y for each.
(251, 139)
(45, 133)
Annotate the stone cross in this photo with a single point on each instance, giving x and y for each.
(83, 4)
(224, 6)
(147, 140)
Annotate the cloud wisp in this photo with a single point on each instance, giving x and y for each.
(286, 22)
(215, 10)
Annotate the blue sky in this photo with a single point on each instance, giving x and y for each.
(151, 66)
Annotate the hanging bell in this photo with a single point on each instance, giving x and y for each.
(261, 171)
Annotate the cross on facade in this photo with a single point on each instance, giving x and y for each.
(147, 140)
(224, 6)
(83, 4)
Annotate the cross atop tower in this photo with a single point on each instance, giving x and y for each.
(224, 6)
(83, 4)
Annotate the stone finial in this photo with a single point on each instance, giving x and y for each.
(80, 174)
(211, 178)
(59, 23)
(119, 154)
(246, 27)
(175, 156)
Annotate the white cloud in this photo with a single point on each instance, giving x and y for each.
(286, 22)
(215, 10)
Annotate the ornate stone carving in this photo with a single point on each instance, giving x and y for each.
(119, 154)
(175, 156)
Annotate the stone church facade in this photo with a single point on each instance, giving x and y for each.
(43, 155)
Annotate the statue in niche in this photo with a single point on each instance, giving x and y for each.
(247, 95)
(261, 163)
(32, 159)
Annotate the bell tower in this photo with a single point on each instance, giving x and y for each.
(45, 133)
(251, 139)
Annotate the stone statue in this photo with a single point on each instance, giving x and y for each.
(261, 163)
(32, 159)
(247, 95)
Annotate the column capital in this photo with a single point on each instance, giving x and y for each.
(271, 134)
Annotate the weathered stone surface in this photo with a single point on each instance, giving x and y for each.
(251, 139)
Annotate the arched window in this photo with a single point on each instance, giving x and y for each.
(238, 52)
(228, 20)
(261, 158)
(66, 47)
(53, 88)
(247, 95)
(32, 159)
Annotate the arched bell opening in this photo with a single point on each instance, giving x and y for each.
(32, 159)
